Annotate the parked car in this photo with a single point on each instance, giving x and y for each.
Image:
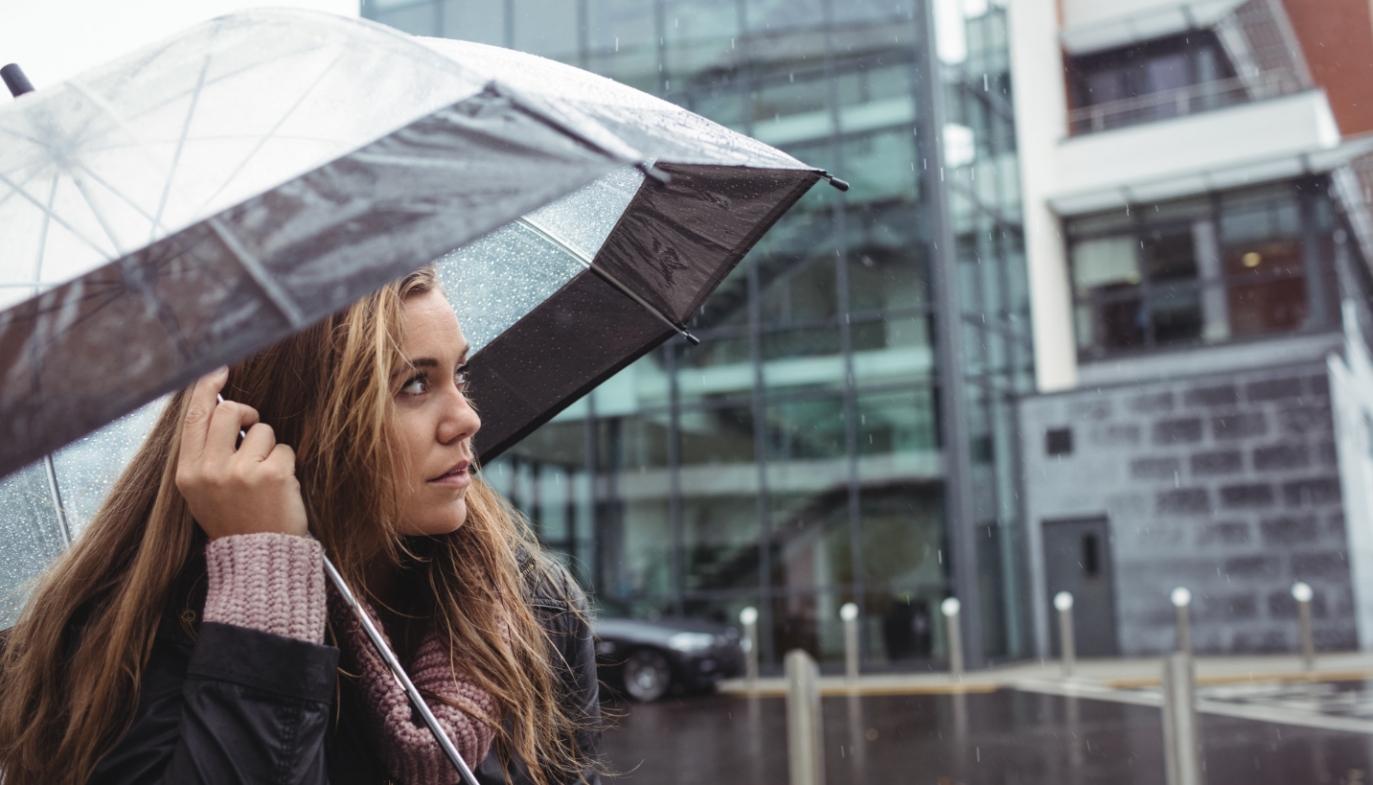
(647, 659)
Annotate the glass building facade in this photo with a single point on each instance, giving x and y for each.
(815, 448)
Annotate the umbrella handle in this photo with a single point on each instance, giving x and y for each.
(394, 665)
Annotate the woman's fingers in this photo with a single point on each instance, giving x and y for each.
(225, 423)
(197, 423)
(258, 444)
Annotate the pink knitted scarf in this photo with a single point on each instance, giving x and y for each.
(275, 583)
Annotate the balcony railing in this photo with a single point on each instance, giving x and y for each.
(1195, 99)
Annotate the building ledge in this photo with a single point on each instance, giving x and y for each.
(1205, 360)
(1226, 148)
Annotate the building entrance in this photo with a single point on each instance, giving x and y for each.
(1077, 559)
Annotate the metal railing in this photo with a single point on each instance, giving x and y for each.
(1190, 100)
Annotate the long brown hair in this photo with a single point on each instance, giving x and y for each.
(71, 669)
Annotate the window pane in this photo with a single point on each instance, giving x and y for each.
(721, 538)
(801, 292)
(880, 166)
(893, 349)
(810, 545)
(700, 36)
(903, 535)
(805, 429)
(482, 21)
(1268, 307)
(764, 15)
(887, 262)
(717, 368)
(718, 436)
(795, 359)
(415, 19)
(1112, 324)
(1105, 264)
(1169, 253)
(1176, 316)
(898, 423)
(547, 28)
(623, 42)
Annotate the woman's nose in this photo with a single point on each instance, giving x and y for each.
(459, 420)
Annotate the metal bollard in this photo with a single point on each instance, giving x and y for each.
(1067, 641)
(1301, 592)
(849, 613)
(749, 618)
(1182, 600)
(1181, 733)
(950, 608)
(805, 726)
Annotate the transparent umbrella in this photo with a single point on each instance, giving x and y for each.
(197, 200)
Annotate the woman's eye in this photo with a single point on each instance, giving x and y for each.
(461, 376)
(415, 386)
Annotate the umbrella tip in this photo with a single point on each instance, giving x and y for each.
(840, 185)
(15, 80)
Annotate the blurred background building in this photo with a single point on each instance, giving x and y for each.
(867, 417)
(1196, 193)
(814, 449)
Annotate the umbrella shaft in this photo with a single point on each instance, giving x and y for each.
(389, 658)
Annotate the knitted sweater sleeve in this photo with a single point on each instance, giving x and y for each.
(465, 711)
(267, 582)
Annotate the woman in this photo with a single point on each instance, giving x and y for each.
(187, 635)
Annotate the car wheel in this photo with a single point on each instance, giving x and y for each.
(647, 675)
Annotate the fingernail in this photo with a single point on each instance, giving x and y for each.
(223, 370)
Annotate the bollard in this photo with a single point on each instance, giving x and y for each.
(749, 618)
(805, 749)
(950, 608)
(1182, 600)
(1067, 642)
(1301, 592)
(1181, 734)
(849, 613)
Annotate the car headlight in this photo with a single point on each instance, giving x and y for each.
(691, 641)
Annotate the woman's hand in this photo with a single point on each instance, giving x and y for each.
(245, 491)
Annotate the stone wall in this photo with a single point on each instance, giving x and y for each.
(1225, 484)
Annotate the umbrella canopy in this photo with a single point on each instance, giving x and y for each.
(198, 200)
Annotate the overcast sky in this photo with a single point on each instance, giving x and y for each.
(53, 40)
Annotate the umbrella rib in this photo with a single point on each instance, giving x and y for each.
(51, 470)
(258, 273)
(553, 237)
(180, 146)
(270, 135)
(43, 233)
(58, 219)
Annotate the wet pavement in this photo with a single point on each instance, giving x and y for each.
(1007, 737)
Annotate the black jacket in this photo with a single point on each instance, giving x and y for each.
(239, 706)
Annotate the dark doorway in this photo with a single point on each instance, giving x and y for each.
(1077, 559)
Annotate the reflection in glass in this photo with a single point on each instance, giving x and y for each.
(806, 429)
(720, 532)
(897, 422)
(720, 435)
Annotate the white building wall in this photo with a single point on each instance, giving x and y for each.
(1041, 111)
(1351, 398)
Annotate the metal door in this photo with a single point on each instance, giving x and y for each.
(1077, 559)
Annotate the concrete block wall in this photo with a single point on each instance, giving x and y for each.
(1225, 484)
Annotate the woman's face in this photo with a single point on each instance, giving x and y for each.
(434, 422)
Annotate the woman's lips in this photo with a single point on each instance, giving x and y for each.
(456, 477)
